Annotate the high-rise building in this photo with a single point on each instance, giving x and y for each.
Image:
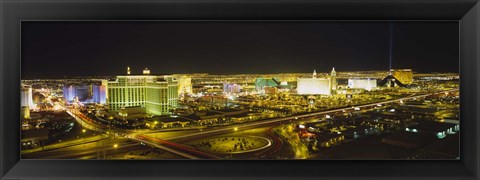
(25, 112)
(100, 93)
(90, 91)
(184, 85)
(70, 93)
(231, 88)
(157, 93)
(314, 85)
(320, 86)
(362, 83)
(333, 78)
(26, 96)
(405, 76)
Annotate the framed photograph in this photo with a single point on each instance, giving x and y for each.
(239, 89)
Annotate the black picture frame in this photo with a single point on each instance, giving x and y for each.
(12, 12)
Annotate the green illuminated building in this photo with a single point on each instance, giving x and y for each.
(157, 93)
(261, 83)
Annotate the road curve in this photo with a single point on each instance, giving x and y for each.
(293, 118)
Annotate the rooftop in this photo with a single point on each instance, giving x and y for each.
(431, 126)
(416, 139)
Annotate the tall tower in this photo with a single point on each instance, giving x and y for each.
(314, 75)
(128, 70)
(390, 49)
(333, 78)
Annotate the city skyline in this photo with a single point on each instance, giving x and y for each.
(403, 116)
(237, 47)
(241, 90)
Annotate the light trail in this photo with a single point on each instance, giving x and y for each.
(192, 153)
(266, 122)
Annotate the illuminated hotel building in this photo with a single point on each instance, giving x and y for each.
(231, 88)
(25, 112)
(92, 93)
(405, 76)
(26, 96)
(70, 93)
(157, 93)
(184, 85)
(314, 85)
(362, 83)
(100, 92)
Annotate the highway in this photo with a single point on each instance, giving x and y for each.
(277, 121)
(179, 149)
(94, 149)
(269, 122)
(167, 144)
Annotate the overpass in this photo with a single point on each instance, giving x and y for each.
(191, 153)
(268, 122)
(179, 149)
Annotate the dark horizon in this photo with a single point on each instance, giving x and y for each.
(122, 73)
(66, 49)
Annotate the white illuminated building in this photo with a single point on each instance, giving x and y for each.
(362, 83)
(26, 96)
(314, 85)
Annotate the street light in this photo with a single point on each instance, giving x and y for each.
(83, 131)
(115, 146)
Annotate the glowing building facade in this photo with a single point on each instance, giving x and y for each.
(314, 85)
(26, 96)
(231, 88)
(25, 112)
(320, 86)
(92, 93)
(261, 83)
(80, 93)
(362, 83)
(100, 93)
(405, 76)
(184, 85)
(157, 93)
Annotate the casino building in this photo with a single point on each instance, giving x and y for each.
(26, 96)
(92, 93)
(157, 94)
(262, 83)
(405, 76)
(317, 86)
(307, 86)
(362, 83)
(184, 85)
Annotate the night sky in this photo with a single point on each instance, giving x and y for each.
(58, 49)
